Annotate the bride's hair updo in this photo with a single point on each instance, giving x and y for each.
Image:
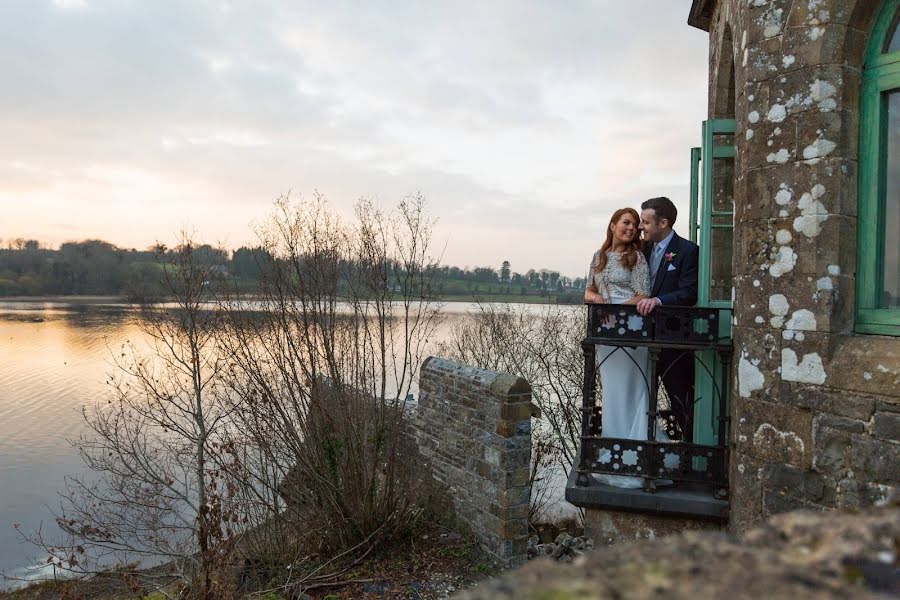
(630, 255)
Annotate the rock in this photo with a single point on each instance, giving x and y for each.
(562, 538)
(533, 541)
(802, 555)
(577, 543)
(560, 551)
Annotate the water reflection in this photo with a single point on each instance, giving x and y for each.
(54, 360)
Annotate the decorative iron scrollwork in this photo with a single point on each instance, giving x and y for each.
(689, 329)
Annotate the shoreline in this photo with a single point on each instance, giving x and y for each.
(121, 301)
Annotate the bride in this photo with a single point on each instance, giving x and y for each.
(619, 275)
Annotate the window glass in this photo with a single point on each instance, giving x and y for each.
(894, 44)
(720, 278)
(720, 242)
(890, 297)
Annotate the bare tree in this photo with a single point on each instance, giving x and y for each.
(321, 373)
(158, 490)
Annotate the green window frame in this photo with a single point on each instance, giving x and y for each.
(881, 75)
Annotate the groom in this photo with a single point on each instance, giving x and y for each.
(673, 281)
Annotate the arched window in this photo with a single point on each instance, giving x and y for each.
(878, 264)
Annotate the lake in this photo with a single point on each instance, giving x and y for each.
(54, 360)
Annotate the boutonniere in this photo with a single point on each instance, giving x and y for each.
(669, 256)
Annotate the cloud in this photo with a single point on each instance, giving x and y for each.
(524, 122)
(70, 4)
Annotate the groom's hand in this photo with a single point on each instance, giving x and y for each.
(646, 306)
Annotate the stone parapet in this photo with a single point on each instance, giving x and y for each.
(800, 555)
(474, 427)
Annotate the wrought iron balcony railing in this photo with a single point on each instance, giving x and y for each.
(695, 331)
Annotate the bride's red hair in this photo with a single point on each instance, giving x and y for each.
(629, 256)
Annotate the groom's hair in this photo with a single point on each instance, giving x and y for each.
(663, 208)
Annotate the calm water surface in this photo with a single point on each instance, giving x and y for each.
(54, 360)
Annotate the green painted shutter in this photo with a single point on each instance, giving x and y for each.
(713, 203)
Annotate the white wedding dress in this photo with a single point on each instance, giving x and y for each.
(624, 372)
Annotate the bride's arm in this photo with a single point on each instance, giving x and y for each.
(640, 280)
(591, 294)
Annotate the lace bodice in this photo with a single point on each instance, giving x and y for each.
(617, 282)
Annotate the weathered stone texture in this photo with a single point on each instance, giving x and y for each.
(800, 555)
(774, 433)
(815, 407)
(608, 527)
(474, 427)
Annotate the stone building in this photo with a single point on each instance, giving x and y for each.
(814, 87)
(796, 336)
(801, 183)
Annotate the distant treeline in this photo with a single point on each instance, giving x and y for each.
(95, 267)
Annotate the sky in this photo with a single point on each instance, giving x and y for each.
(524, 123)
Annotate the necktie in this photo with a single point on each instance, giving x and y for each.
(655, 261)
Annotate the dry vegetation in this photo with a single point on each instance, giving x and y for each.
(263, 445)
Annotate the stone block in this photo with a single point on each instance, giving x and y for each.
(826, 134)
(761, 60)
(854, 494)
(509, 513)
(864, 10)
(886, 405)
(756, 363)
(518, 442)
(506, 428)
(512, 460)
(819, 13)
(513, 529)
(486, 469)
(820, 241)
(771, 305)
(866, 364)
(513, 496)
(772, 143)
(831, 454)
(505, 385)
(745, 495)
(610, 526)
(804, 485)
(513, 549)
(840, 423)
(775, 187)
(875, 460)
(806, 358)
(516, 477)
(777, 502)
(821, 45)
(523, 429)
(773, 432)
(516, 411)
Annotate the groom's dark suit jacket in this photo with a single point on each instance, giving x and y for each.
(676, 284)
(676, 281)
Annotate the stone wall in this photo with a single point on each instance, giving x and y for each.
(474, 426)
(801, 555)
(815, 406)
(608, 527)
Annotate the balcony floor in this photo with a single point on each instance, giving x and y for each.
(679, 499)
